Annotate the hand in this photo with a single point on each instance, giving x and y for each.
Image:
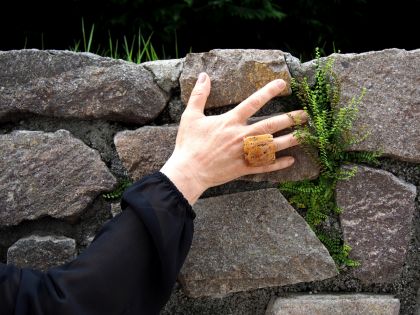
(209, 149)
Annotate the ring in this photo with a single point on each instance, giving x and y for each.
(259, 150)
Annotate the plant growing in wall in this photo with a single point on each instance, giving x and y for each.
(117, 193)
(328, 131)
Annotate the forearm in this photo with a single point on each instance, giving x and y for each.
(130, 267)
(176, 170)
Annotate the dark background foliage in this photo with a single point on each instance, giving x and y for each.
(296, 26)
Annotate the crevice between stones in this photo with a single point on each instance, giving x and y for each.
(86, 225)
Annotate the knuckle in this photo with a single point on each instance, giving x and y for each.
(254, 102)
(270, 126)
(197, 92)
(184, 116)
(278, 145)
(187, 115)
(233, 116)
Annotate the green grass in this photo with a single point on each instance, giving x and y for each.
(138, 49)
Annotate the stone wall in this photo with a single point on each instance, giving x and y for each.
(74, 124)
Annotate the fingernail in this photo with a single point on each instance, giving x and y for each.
(291, 160)
(201, 77)
(280, 83)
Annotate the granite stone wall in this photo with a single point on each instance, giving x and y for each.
(72, 125)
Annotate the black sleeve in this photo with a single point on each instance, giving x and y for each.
(130, 267)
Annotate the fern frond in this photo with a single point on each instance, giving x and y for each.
(329, 134)
(116, 194)
(362, 157)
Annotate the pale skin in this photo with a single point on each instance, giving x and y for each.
(209, 149)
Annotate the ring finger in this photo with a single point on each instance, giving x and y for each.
(284, 142)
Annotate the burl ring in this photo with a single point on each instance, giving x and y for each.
(259, 150)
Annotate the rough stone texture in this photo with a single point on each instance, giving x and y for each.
(48, 174)
(390, 109)
(115, 208)
(295, 66)
(300, 70)
(79, 85)
(418, 303)
(97, 134)
(378, 210)
(235, 73)
(166, 73)
(175, 109)
(146, 149)
(41, 252)
(334, 304)
(251, 240)
(274, 106)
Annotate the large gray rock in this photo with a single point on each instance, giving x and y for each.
(166, 72)
(378, 210)
(78, 85)
(235, 73)
(146, 149)
(334, 304)
(41, 252)
(390, 108)
(48, 174)
(251, 240)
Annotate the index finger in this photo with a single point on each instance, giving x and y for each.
(257, 100)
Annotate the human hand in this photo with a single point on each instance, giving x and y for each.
(209, 149)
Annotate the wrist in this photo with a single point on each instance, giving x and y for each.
(183, 178)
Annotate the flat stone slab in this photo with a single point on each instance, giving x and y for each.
(48, 174)
(235, 73)
(251, 240)
(334, 304)
(41, 252)
(146, 150)
(390, 109)
(378, 210)
(76, 85)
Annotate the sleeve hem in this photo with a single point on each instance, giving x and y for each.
(179, 194)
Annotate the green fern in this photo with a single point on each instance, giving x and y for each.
(328, 131)
(116, 194)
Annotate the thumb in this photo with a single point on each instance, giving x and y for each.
(200, 93)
